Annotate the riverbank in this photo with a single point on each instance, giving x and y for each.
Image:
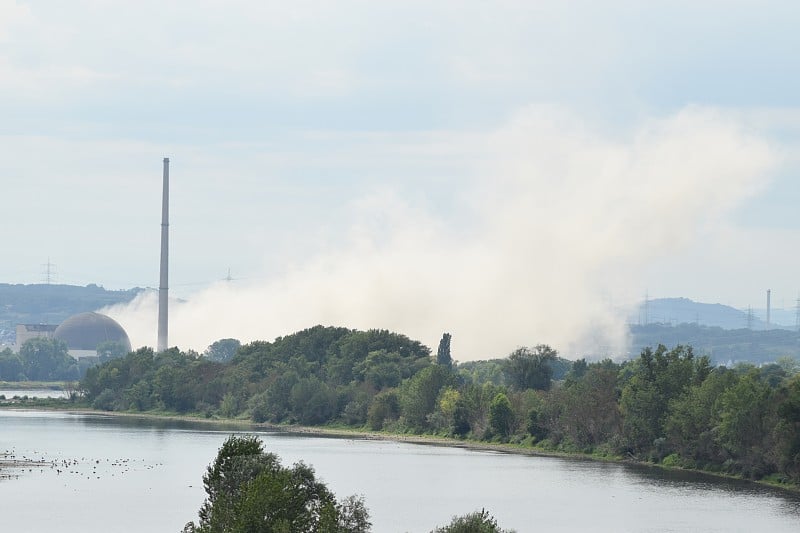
(244, 425)
(31, 385)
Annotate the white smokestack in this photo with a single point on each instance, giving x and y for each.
(769, 291)
(163, 286)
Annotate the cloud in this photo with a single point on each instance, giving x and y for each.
(556, 216)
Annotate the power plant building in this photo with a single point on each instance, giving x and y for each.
(26, 332)
(82, 333)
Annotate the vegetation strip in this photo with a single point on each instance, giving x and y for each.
(667, 407)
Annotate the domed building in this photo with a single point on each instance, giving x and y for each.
(84, 332)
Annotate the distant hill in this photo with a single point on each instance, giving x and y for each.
(685, 311)
(51, 304)
(724, 346)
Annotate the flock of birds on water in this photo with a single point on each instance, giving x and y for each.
(11, 465)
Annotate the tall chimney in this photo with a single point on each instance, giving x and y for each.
(163, 286)
(769, 291)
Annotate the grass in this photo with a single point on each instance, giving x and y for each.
(28, 385)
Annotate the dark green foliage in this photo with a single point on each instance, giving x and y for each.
(658, 378)
(728, 346)
(788, 429)
(313, 377)
(47, 360)
(477, 522)
(501, 416)
(418, 395)
(110, 349)
(443, 353)
(222, 350)
(385, 407)
(11, 367)
(248, 490)
(585, 411)
(667, 405)
(480, 372)
(530, 368)
(745, 419)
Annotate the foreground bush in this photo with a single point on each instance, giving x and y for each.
(248, 490)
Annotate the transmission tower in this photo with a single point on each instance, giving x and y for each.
(49, 273)
(797, 314)
(749, 317)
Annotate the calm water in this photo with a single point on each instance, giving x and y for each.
(33, 393)
(141, 475)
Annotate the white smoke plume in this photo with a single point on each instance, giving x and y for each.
(561, 217)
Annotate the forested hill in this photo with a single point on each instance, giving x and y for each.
(683, 310)
(723, 346)
(52, 304)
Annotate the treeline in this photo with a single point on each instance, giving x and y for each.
(40, 359)
(47, 359)
(666, 406)
(724, 346)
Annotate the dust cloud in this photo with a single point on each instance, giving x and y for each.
(550, 244)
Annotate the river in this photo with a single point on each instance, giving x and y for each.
(121, 474)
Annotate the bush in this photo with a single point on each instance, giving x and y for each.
(477, 522)
(105, 401)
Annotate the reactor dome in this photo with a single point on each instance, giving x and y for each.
(85, 331)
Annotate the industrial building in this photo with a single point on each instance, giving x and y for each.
(82, 333)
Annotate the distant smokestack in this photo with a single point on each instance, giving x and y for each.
(769, 291)
(163, 286)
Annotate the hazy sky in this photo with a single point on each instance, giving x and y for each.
(512, 172)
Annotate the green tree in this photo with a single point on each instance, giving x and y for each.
(788, 429)
(248, 490)
(110, 349)
(745, 424)
(11, 367)
(418, 394)
(222, 350)
(501, 416)
(692, 422)
(587, 409)
(658, 377)
(385, 406)
(477, 522)
(47, 360)
(530, 368)
(443, 353)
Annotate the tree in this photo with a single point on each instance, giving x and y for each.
(110, 350)
(530, 369)
(588, 414)
(443, 353)
(222, 350)
(501, 416)
(658, 377)
(11, 367)
(477, 522)
(745, 423)
(418, 394)
(249, 490)
(47, 360)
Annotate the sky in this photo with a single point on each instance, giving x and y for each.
(510, 172)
